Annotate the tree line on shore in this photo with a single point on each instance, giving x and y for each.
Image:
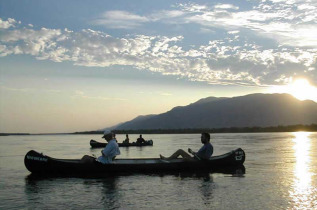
(255, 129)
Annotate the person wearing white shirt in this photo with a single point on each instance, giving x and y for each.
(111, 150)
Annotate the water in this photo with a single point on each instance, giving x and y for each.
(281, 173)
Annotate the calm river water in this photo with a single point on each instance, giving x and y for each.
(281, 173)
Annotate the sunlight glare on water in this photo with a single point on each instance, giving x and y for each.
(302, 192)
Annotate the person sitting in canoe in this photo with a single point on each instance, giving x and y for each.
(111, 150)
(140, 140)
(126, 141)
(204, 152)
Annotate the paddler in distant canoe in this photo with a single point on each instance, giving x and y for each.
(127, 140)
(204, 153)
(140, 140)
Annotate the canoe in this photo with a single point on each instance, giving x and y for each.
(96, 144)
(40, 164)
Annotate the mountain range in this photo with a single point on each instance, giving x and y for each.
(243, 111)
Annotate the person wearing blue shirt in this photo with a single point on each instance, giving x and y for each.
(204, 152)
(111, 150)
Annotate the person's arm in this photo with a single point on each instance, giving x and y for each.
(193, 153)
(106, 151)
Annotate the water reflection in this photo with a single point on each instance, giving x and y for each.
(50, 192)
(109, 191)
(207, 189)
(302, 193)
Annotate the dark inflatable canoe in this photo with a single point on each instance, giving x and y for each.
(96, 144)
(40, 164)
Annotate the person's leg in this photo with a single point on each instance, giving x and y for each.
(87, 159)
(179, 152)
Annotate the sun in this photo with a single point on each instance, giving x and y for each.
(302, 90)
(299, 88)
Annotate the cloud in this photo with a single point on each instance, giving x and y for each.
(233, 32)
(289, 24)
(33, 42)
(166, 15)
(7, 23)
(226, 6)
(225, 61)
(82, 95)
(192, 7)
(120, 19)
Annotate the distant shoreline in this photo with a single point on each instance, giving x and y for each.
(289, 128)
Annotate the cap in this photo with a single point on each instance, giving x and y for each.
(107, 135)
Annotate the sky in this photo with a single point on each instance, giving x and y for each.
(82, 65)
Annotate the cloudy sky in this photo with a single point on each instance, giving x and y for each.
(84, 65)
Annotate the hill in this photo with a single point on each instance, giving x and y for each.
(260, 110)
